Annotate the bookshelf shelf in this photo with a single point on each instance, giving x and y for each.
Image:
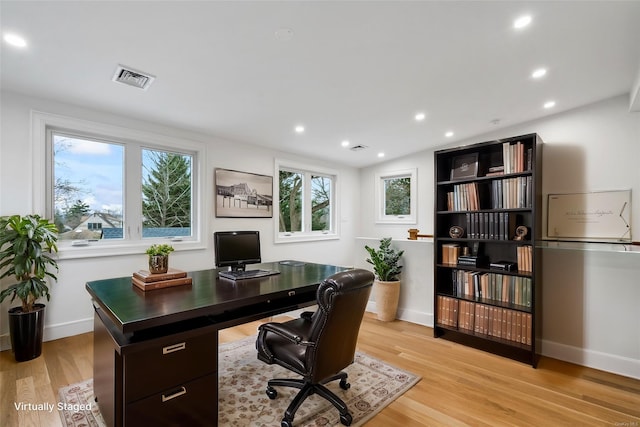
(487, 292)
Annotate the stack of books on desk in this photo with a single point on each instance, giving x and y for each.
(147, 281)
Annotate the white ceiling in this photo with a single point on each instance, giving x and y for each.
(356, 70)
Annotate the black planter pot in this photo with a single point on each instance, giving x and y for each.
(27, 331)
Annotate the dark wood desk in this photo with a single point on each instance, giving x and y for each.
(155, 352)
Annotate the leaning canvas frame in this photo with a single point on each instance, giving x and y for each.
(603, 216)
(243, 194)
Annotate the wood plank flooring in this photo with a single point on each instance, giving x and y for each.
(460, 386)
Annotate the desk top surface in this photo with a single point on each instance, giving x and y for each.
(132, 309)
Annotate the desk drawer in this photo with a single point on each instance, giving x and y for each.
(190, 404)
(171, 361)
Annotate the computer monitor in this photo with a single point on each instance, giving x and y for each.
(236, 249)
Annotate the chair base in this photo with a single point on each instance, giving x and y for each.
(307, 389)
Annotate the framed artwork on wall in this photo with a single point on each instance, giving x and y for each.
(243, 194)
(597, 216)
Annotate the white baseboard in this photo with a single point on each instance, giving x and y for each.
(592, 359)
(413, 316)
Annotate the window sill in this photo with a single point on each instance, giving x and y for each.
(302, 237)
(395, 220)
(95, 250)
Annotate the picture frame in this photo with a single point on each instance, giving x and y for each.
(464, 167)
(598, 216)
(242, 194)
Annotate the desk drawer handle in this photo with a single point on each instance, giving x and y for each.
(173, 348)
(178, 393)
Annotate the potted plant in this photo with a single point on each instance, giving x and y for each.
(386, 286)
(159, 258)
(26, 244)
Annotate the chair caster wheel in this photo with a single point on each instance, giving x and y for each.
(346, 419)
(345, 385)
(286, 423)
(272, 394)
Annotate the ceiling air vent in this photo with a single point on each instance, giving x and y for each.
(132, 77)
(358, 147)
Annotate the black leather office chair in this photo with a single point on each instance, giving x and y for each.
(319, 345)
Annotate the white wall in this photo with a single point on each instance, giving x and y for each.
(590, 299)
(70, 312)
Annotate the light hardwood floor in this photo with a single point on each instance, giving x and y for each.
(460, 386)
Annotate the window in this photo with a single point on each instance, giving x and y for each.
(88, 187)
(108, 186)
(166, 194)
(396, 197)
(306, 203)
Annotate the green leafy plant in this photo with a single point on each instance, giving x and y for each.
(385, 261)
(160, 249)
(26, 244)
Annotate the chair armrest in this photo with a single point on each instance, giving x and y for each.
(306, 315)
(279, 330)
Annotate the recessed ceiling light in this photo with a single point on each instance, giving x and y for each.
(15, 40)
(522, 22)
(549, 104)
(299, 129)
(420, 116)
(540, 72)
(381, 154)
(345, 143)
(448, 134)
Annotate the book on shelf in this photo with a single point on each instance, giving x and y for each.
(147, 276)
(516, 157)
(503, 265)
(500, 287)
(525, 258)
(160, 284)
(491, 225)
(482, 319)
(448, 311)
(464, 197)
(450, 253)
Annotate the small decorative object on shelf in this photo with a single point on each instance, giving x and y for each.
(521, 232)
(465, 166)
(456, 232)
(413, 234)
(159, 258)
(487, 230)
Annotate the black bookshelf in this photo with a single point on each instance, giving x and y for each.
(487, 291)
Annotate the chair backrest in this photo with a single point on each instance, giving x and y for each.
(342, 299)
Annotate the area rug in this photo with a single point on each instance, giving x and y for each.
(242, 399)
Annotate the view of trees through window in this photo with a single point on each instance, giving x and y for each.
(397, 196)
(295, 201)
(320, 203)
(89, 190)
(166, 190)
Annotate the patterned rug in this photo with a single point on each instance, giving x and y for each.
(242, 398)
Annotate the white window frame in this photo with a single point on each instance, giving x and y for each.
(381, 217)
(41, 126)
(306, 235)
